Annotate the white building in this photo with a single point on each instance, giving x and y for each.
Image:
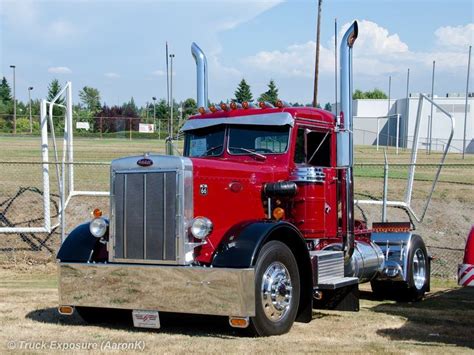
(371, 121)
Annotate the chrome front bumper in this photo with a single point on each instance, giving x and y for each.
(182, 289)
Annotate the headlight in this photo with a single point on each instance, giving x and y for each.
(201, 227)
(98, 227)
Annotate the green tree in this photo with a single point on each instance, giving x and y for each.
(328, 106)
(130, 109)
(243, 92)
(271, 95)
(189, 107)
(374, 94)
(5, 91)
(53, 89)
(90, 97)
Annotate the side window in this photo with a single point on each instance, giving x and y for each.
(318, 146)
(299, 147)
(312, 148)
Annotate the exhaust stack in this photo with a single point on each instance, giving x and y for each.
(345, 148)
(201, 75)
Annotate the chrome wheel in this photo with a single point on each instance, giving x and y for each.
(419, 269)
(276, 291)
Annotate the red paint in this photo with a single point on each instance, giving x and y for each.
(235, 184)
(469, 252)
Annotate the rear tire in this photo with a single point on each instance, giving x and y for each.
(277, 290)
(418, 272)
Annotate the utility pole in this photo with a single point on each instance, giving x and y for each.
(171, 94)
(29, 100)
(407, 109)
(154, 111)
(388, 109)
(430, 123)
(14, 99)
(465, 104)
(316, 66)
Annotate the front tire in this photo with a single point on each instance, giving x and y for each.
(277, 290)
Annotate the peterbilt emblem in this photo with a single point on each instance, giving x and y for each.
(203, 189)
(145, 162)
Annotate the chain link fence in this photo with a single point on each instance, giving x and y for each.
(445, 229)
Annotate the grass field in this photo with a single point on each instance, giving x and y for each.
(440, 324)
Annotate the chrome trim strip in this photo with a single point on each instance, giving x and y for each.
(181, 289)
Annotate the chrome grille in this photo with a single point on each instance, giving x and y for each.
(145, 213)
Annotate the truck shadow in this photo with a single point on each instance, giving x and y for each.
(443, 317)
(171, 323)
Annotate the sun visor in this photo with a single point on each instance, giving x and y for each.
(266, 119)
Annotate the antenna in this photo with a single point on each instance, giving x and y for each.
(335, 68)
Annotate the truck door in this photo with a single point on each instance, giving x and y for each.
(316, 204)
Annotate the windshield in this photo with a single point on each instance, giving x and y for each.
(204, 142)
(264, 140)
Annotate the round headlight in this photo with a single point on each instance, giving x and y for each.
(201, 227)
(98, 227)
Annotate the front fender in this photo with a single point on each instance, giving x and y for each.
(241, 245)
(78, 246)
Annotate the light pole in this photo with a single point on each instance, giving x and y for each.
(171, 94)
(154, 110)
(14, 99)
(29, 100)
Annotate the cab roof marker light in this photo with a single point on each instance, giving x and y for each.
(214, 108)
(235, 105)
(265, 104)
(224, 106)
(281, 104)
(202, 110)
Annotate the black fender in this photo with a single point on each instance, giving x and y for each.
(79, 245)
(241, 245)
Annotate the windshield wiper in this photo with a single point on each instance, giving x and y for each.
(261, 156)
(210, 150)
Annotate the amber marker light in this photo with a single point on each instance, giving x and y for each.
(202, 110)
(213, 108)
(278, 213)
(245, 104)
(66, 310)
(239, 322)
(97, 213)
(262, 104)
(224, 106)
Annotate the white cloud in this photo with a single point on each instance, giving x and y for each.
(459, 37)
(59, 70)
(158, 72)
(62, 29)
(377, 52)
(112, 75)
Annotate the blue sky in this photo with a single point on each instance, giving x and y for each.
(118, 46)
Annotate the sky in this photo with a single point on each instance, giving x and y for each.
(118, 47)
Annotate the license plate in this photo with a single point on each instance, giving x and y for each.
(146, 319)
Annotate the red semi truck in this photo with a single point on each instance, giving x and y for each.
(254, 222)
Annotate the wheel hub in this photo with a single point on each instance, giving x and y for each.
(276, 291)
(419, 269)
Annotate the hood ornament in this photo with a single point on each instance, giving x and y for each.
(145, 161)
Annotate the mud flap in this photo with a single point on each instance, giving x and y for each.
(341, 299)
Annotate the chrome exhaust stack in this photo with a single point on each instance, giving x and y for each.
(201, 75)
(345, 148)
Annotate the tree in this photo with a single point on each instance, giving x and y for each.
(271, 95)
(53, 89)
(130, 109)
(91, 98)
(5, 91)
(243, 92)
(189, 107)
(328, 106)
(374, 94)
